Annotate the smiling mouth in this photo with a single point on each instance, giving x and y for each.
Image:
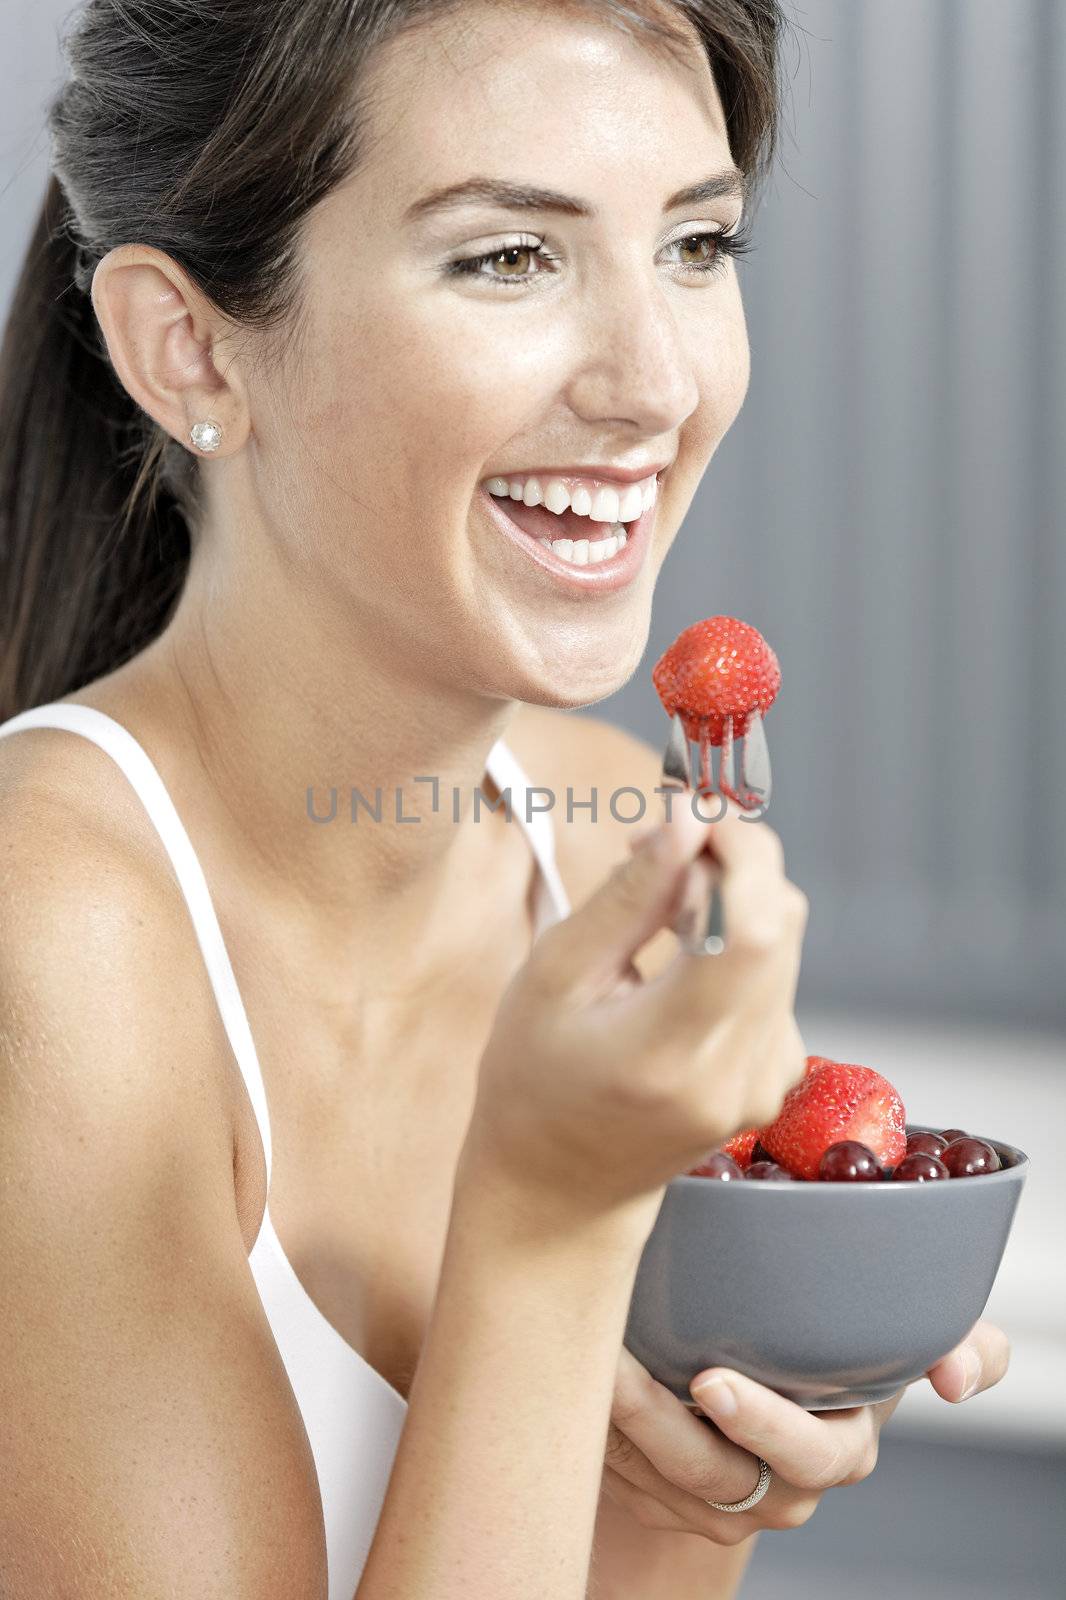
(571, 537)
(577, 567)
(572, 533)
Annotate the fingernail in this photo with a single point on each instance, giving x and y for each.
(715, 1396)
(971, 1372)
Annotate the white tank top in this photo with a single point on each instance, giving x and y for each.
(353, 1416)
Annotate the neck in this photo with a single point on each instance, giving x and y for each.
(287, 729)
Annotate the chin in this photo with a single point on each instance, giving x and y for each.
(581, 690)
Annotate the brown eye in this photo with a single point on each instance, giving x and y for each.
(696, 241)
(509, 256)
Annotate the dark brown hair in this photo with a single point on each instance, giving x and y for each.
(208, 129)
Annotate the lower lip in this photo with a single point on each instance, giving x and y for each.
(602, 578)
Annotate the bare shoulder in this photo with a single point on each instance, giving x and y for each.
(103, 984)
(95, 937)
(90, 910)
(52, 779)
(141, 1374)
(578, 756)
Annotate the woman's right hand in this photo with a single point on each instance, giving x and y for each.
(595, 1088)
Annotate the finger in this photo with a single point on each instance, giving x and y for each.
(973, 1366)
(642, 1507)
(677, 1446)
(657, 1503)
(733, 838)
(765, 918)
(807, 1450)
(588, 952)
(716, 1526)
(660, 1499)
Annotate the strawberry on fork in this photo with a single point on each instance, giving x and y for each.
(721, 677)
(716, 681)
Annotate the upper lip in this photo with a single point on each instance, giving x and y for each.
(590, 470)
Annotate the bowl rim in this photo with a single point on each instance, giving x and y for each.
(1018, 1165)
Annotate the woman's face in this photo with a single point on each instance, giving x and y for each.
(415, 385)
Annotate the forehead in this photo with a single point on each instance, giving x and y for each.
(543, 91)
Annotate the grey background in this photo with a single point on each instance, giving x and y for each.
(890, 509)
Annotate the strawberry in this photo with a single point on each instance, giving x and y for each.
(740, 1146)
(717, 669)
(836, 1100)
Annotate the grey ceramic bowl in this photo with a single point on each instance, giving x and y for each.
(834, 1294)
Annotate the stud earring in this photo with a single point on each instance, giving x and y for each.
(206, 436)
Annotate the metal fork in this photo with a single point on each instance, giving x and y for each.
(700, 921)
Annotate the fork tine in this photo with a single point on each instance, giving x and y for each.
(755, 762)
(727, 776)
(676, 760)
(699, 922)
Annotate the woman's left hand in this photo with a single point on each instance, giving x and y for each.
(663, 1463)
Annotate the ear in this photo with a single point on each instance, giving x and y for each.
(165, 340)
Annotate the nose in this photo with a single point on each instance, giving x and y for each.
(641, 359)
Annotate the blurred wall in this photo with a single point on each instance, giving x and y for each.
(890, 506)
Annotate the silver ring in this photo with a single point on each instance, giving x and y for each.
(765, 1474)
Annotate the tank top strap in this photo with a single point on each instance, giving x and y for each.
(144, 777)
(529, 805)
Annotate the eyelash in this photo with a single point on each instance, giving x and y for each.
(737, 243)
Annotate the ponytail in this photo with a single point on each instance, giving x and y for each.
(93, 549)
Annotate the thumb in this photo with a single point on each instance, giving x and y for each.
(592, 949)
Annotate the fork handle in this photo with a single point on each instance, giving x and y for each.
(700, 921)
(714, 937)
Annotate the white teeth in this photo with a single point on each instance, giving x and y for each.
(602, 504)
(556, 496)
(631, 504)
(605, 506)
(588, 552)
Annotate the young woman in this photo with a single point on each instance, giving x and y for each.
(308, 278)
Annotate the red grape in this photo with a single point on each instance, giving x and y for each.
(770, 1172)
(969, 1158)
(919, 1168)
(926, 1144)
(848, 1161)
(949, 1135)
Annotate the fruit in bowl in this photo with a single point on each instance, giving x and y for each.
(833, 1255)
(843, 1123)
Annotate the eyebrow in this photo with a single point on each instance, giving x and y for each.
(528, 197)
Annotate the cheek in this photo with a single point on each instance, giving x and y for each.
(731, 366)
(396, 407)
(462, 383)
(723, 376)
(740, 372)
